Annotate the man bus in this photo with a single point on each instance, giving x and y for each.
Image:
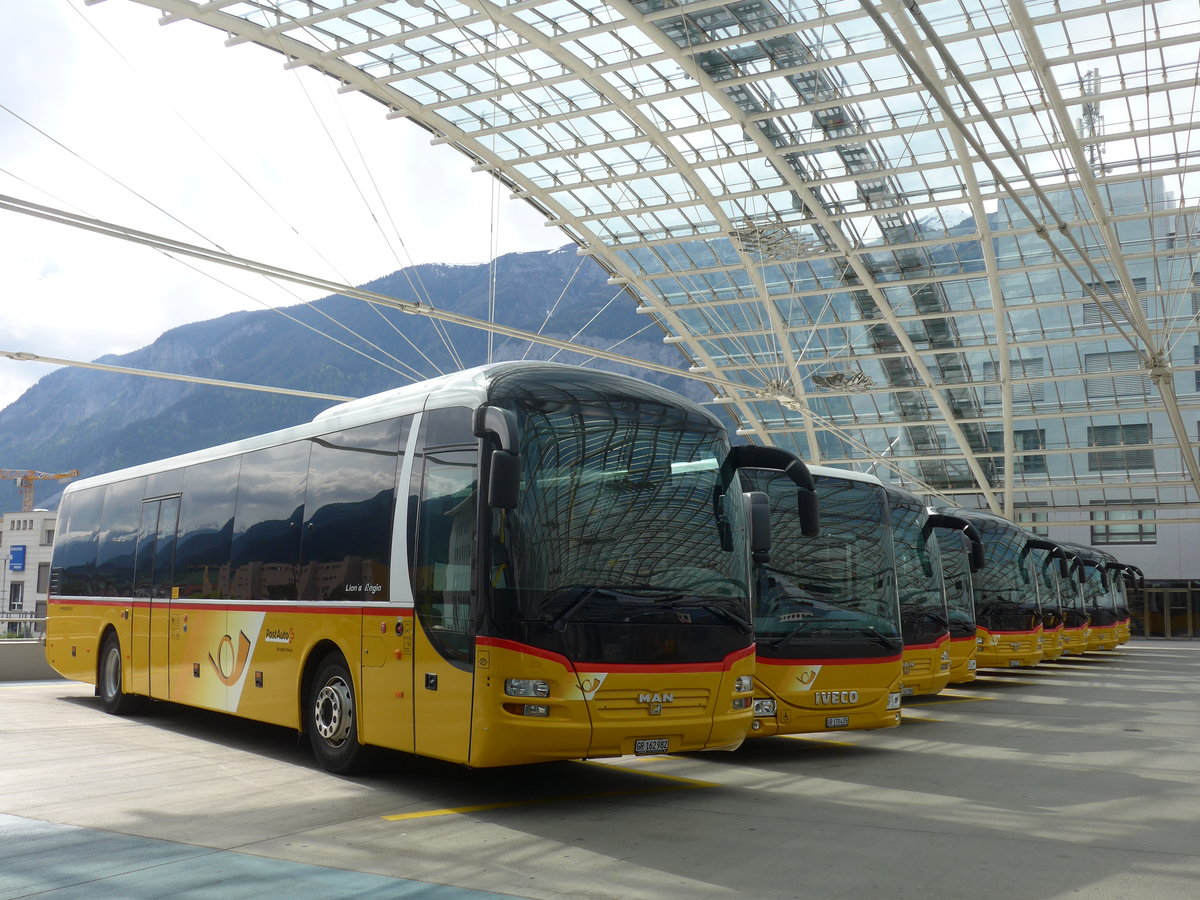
(514, 563)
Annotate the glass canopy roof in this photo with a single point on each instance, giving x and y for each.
(955, 243)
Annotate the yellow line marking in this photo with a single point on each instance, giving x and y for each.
(679, 784)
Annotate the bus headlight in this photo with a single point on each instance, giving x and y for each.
(764, 707)
(979, 641)
(536, 709)
(741, 702)
(744, 684)
(893, 701)
(526, 687)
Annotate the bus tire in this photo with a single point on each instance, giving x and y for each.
(332, 718)
(110, 679)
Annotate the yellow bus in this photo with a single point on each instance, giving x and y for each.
(826, 610)
(1077, 624)
(1052, 567)
(1008, 614)
(1124, 574)
(1099, 597)
(962, 553)
(924, 613)
(514, 563)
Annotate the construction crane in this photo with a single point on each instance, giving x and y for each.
(25, 479)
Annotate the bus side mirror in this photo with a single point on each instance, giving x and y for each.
(1064, 568)
(758, 519)
(977, 558)
(808, 509)
(504, 480)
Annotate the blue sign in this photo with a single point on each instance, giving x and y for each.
(16, 558)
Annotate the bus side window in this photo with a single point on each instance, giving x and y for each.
(345, 552)
(118, 538)
(265, 560)
(206, 528)
(75, 552)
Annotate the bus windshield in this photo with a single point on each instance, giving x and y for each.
(622, 529)
(918, 571)
(1005, 595)
(838, 588)
(954, 549)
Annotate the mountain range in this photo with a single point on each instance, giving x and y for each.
(94, 421)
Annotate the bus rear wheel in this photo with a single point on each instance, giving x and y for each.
(110, 679)
(333, 719)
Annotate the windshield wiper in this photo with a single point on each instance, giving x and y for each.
(559, 622)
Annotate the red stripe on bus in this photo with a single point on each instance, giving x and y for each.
(235, 606)
(933, 646)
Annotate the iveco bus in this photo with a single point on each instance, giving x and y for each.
(1008, 616)
(1099, 596)
(924, 615)
(826, 610)
(1050, 563)
(962, 553)
(514, 563)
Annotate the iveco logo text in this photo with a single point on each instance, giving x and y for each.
(836, 698)
(656, 698)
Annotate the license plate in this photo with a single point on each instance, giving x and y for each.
(1014, 664)
(650, 745)
(837, 721)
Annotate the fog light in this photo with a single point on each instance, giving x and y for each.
(755, 725)
(536, 709)
(764, 707)
(893, 701)
(526, 687)
(744, 684)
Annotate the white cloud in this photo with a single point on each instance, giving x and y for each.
(161, 132)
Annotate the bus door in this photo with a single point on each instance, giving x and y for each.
(444, 535)
(152, 589)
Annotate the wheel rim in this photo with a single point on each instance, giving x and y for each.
(333, 713)
(111, 673)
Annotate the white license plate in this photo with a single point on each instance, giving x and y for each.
(837, 721)
(1014, 664)
(650, 745)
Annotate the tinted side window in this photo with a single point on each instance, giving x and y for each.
(118, 538)
(75, 549)
(349, 505)
(206, 528)
(266, 527)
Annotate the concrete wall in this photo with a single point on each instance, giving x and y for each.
(24, 661)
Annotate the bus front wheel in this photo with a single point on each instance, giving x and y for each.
(333, 718)
(110, 679)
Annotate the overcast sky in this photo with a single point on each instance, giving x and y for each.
(165, 129)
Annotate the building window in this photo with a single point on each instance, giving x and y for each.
(47, 537)
(16, 596)
(1116, 436)
(1127, 523)
(43, 578)
(1100, 364)
(1024, 440)
(1031, 517)
(1115, 306)
(1018, 369)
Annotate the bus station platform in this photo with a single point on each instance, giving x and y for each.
(1079, 777)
